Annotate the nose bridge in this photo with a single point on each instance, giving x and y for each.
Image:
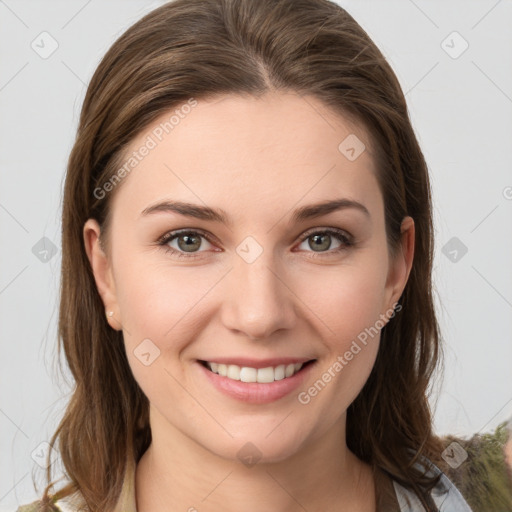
(259, 302)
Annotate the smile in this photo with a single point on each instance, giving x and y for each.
(249, 374)
(270, 381)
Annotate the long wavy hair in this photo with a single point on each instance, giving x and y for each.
(202, 48)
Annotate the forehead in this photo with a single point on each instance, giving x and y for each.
(250, 153)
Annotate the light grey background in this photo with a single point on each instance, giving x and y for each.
(461, 108)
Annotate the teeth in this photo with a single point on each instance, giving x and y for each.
(261, 375)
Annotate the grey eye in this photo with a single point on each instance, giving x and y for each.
(187, 242)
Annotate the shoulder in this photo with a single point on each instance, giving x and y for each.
(31, 507)
(72, 503)
(76, 503)
(445, 495)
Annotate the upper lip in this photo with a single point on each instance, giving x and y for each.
(258, 363)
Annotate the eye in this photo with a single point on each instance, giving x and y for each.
(186, 242)
(321, 241)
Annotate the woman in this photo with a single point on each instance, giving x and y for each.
(246, 298)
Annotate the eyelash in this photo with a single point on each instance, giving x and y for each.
(346, 240)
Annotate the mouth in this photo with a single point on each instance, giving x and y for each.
(256, 382)
(257, 373)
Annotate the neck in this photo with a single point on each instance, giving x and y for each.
(176, 473)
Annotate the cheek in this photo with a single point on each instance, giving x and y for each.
(348, 301)
(156, 299)
(162, 309)
(347, 298)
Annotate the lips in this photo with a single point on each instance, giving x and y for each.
(263, 391)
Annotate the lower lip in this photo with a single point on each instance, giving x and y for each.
(255, 392)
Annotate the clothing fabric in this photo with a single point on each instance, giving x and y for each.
(390, 496)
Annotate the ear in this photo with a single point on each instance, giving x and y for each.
(102, 270)
(400, 266)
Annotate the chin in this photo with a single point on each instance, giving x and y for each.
(258, 446)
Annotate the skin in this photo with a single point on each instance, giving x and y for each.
(258, 160)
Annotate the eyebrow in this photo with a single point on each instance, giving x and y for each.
(206, 213)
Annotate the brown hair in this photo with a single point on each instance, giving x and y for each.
(201, 48)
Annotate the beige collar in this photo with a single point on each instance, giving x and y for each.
(127, 502)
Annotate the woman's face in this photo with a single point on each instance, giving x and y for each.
(266, 286)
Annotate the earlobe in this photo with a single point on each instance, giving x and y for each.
(102, 271)
(401, 266)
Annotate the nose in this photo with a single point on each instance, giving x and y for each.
(259, 301)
